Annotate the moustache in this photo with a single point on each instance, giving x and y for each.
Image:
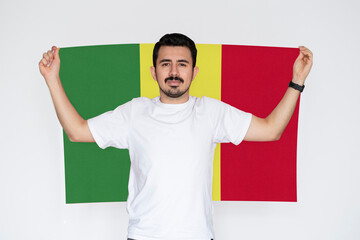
(174, 78)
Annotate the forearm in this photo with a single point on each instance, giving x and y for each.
(272, 127)
(72, 123)
(281, 115)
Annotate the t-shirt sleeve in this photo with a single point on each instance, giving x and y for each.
(231, 124)
(111, 129)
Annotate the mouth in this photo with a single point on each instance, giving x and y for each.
(174, 81)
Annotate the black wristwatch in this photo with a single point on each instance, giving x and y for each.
(296, 86)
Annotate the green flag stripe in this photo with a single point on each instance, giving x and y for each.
(93, 174)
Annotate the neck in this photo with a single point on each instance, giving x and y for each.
(169, 100)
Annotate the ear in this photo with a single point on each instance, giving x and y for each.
(195, 72)
(153, 72)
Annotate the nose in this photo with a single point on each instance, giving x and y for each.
(174, 70)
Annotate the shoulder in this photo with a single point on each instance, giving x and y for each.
(206, 100)
(141, 101)
(138, 102)
(218, 108)
(134, 103)
(209, 102)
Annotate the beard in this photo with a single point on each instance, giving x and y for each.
(174, 92)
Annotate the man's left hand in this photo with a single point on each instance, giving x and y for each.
(302, 65)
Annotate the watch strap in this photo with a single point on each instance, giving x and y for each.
(296, 86)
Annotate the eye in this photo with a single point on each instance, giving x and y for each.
(182, 64)
(165, 64)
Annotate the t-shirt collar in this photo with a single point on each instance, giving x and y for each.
(174, 105)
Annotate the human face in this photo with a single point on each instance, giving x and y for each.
(174, 73)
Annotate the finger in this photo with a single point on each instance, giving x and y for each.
(44, 61)
(46, 56)
(50, 54)
(300, 56)
(305, 50)
(41, 64)
(303, 47)
(56, 52)
(308, 55)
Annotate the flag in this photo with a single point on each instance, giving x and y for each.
(254, 79)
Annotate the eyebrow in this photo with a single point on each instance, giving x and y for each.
(169, 60)
(183, 60)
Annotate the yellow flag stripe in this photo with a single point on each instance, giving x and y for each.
(148, 86)
(207, 83)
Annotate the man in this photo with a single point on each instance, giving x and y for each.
(170, 135)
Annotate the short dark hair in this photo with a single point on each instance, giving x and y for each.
(175, 39)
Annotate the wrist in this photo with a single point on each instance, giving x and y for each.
(296, 86)
(53, 81)
(298, 81)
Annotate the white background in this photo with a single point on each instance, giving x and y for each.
(32, 191)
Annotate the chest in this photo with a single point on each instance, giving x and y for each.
(169, 143)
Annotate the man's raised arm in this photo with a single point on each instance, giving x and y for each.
(74, 125)
(272, 127)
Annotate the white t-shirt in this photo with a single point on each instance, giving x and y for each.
(171, 148)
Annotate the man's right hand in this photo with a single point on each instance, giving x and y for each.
(49, 65)
(74, 125)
